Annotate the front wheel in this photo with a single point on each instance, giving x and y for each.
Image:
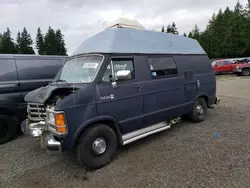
(199, 111)
(96, 146)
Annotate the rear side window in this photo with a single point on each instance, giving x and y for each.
(38, 68)
(162, 66)
(8, 70)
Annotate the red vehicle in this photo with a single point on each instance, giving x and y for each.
(226, 66)
(242, 69)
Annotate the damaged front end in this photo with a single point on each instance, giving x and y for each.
(43, 121)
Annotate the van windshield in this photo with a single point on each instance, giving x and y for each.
(81, 69)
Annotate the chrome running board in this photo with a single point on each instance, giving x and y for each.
(141, 133)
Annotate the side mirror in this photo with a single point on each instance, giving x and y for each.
(124, 75)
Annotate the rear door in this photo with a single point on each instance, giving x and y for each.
(228, 66)
(9, 83)
(124, 103)
(35, 72)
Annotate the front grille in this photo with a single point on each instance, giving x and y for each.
(36, 112)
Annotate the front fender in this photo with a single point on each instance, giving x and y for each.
(90, 122)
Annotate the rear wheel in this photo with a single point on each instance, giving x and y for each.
(199, 111)
(8, 128)
(245, 72)
(97, 146)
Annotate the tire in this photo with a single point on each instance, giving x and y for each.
(199, 111)
(245, 72)
(85, 153)
(8, 128)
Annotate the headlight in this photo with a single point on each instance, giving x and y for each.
(51, 118)
(57, 122)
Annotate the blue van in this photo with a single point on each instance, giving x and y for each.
(121, 85)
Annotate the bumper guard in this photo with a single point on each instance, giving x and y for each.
(39, 130)
(53, 147)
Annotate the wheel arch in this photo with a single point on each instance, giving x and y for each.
(204, 96)
(107, 120)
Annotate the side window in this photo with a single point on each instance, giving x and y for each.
(27, 68)
(163, 66)
(118, 64)
(221, 63)
(8, 70)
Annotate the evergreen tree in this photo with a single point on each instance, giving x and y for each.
(7, 44)
(169, 29)
(196, 32)
(24, 42)
(162, 29)
(18, 42)
(0, 41)
(185, 35)
(174, 29)
(60, 46)
(190, 35)
(50, 42)
(247, 29)
(227, 33)
(40, 44)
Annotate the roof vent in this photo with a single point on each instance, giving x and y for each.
(125, 23)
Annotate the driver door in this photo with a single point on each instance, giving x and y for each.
(122, 101)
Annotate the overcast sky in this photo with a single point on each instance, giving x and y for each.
(79, 19)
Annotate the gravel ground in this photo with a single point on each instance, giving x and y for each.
(187, 155)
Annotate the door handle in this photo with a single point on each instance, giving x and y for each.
(137, 86)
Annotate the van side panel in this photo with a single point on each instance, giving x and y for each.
(35, 72)
(162, 97)
(202, 80)
(9, 86)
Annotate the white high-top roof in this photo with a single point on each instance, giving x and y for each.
(130, 40)
(125, 23)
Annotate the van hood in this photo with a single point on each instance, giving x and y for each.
(42, 94)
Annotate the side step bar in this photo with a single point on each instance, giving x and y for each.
(141, 133)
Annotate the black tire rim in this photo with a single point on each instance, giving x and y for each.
(3, 129)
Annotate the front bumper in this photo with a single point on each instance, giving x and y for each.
(39, 130)
(35, 129)
(217, 101)
(237, 70)
(53, 147)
